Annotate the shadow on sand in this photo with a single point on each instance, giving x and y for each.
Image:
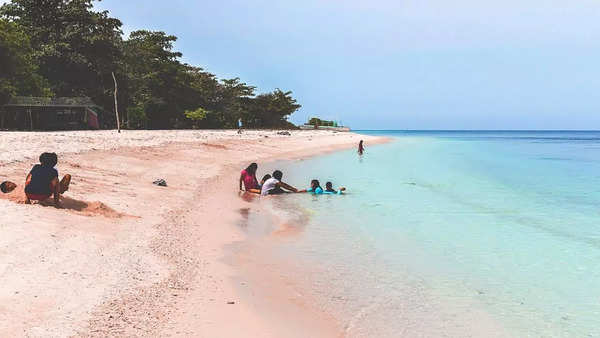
(68, 204)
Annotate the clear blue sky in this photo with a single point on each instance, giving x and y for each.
(417, 64)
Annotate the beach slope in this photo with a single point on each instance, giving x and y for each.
(125, 257)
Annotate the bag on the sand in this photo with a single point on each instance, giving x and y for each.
(160, 182)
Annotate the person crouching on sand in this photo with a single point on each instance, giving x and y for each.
(7, 186)
(274, 186)
(248, 177)
(329, 189)
(42, 182)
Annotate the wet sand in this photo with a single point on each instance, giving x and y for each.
(128, 258)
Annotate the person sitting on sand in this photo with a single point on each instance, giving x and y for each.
(329, 189)
(7, 186)
(42, 182)
(248, 177)
(315, 188)
(274, 186)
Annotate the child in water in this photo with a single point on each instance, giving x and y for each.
(329, 189)
(315, 188)
(274, 185)
(42, 182)
(264, 179)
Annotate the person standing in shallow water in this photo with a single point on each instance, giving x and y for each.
(361, 148)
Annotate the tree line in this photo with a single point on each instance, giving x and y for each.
(64, 48)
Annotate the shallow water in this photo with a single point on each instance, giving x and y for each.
(455, 233)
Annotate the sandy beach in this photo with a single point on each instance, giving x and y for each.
(125, 257)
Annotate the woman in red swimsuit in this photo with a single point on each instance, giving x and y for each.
(248, 177)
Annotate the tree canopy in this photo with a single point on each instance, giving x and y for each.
(66, 48)
(18, 66)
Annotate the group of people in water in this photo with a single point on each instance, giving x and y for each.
(42, 181)
(273, 184)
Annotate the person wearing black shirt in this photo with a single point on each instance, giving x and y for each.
(42, 182)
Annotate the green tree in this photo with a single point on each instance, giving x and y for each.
(154, 76)
(76, 48)
(18, 68)
(270, 110)
(197, 115)
(231, 97)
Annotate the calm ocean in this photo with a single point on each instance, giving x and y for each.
(455, 233)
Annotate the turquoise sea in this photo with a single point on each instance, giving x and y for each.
(454, 233)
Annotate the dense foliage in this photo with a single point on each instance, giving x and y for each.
(318, 122)
(19, 71)
(64, 48)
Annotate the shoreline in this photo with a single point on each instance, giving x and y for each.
(297, 250)
(150, 265)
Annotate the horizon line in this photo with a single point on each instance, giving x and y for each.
(555, 130)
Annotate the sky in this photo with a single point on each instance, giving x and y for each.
(383, 64)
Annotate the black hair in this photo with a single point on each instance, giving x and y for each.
(277, 174)
(3, 187)
(266, 177)
(315, 184)
(48, 159)
(329, 186)
(251, 169)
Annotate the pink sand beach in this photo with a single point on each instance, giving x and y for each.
(125, 257)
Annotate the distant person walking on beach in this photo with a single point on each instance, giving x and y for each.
(42, 182)
(248, 177)
(361, 148)
(274, 186)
